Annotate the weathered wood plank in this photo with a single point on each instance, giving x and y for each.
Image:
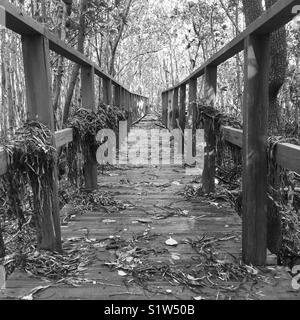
(192, 112)
(88, 102)
(232, 135)
(256, 101)
(203, 219)
(175, 108)
(210, 89)
(39, 106)
(288, 156)
(182, 108)
(277, 16)
(165, 108)
(88, 87)
(107, 91)
(170, 107)
(63, 137)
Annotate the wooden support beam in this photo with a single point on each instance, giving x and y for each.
(117, 95)
(129, 110)
(255, 114)
(288, 156)
(234, 136)
(192, 111)
(121, 97)
(210, 92)
(182, 112)
(63, 137)
(88, 102)
(182, 108)
(107, 91)
(88, 88)
(135, 107)
(170, 108)
(175, 108)
(39, 107)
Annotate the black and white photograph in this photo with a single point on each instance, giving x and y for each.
(149, 153)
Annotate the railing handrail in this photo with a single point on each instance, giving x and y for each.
(277, 16)
(22, 24)
(255, 41)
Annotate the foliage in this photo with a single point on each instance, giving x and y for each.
(86, 124)
(283, 196)
(30, 174)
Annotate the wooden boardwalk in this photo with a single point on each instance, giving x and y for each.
(156, 210)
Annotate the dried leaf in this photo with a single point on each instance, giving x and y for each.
(30, 295)
(109, 221)
(251, 270)
(145, 221)
(198, 298)
(171, 242)
(175, 256)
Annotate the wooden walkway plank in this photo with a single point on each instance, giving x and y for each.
(147, 199)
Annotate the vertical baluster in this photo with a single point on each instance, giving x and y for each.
(88, 102)
(192, 111)
(255, 113)
(209, 172)
(175, 108)
(39, 107)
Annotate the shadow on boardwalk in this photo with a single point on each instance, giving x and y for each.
(132, 260)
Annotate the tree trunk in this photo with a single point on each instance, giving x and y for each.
(60, 70)
(115, 44)
(76, 67)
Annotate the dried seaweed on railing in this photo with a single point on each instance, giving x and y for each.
(30, 175)
(283, 190)
(86, 124)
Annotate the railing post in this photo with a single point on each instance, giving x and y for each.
(170, 107)
(39, 106)
(182, 110)
(117, 95)
(129, 109)
(175, 108)
(255, 114)
(122, 96)
(192, 111)
(165, 108)
(107, 91)
(88, 102)
(209, 172)
(135, 107)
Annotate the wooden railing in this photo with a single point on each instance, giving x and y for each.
(255, 42)
(37, 41)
